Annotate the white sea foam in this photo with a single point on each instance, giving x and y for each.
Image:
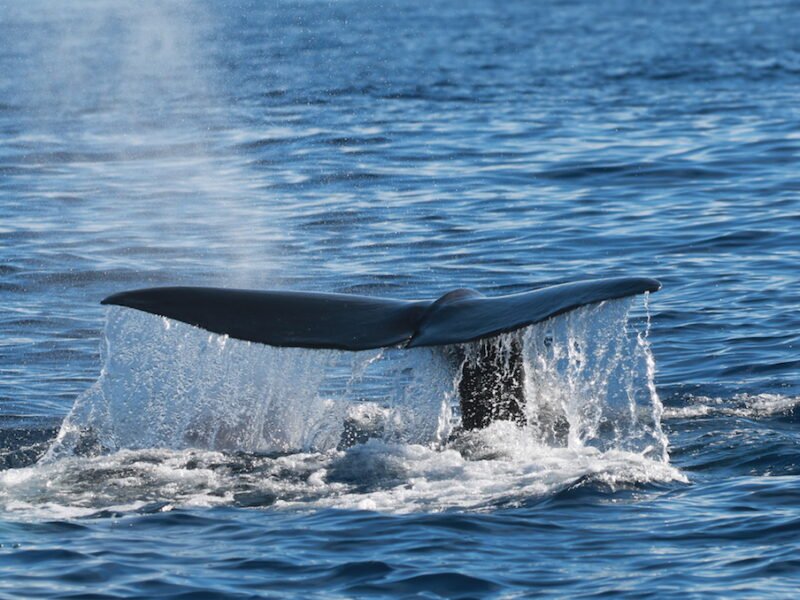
(499, 466)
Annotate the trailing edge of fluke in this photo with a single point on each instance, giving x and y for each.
(351, 322)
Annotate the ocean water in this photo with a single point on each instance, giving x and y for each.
(400, 149)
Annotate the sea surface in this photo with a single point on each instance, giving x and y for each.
(400, 149)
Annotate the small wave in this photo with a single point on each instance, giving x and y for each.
(741, 405)
(666, 173)
(446, 584)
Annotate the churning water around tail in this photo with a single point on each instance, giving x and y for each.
(182, 417)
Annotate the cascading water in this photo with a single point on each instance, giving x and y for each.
(168, 385)
(165, 384)
(588, 382)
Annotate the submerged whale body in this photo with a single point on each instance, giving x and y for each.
(491, 382)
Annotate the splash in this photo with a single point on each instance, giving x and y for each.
(179, 418)
(165, 384)
(168, 385)
(590, 382)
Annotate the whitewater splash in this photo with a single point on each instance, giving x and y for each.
(181, 417)
(588, 383)
(165, 384)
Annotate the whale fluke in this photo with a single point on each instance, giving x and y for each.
(351, 322)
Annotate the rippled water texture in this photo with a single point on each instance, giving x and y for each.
(399, 149)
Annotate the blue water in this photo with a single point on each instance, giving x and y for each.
(398, 149)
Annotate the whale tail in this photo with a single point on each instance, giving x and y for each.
(351, 322)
